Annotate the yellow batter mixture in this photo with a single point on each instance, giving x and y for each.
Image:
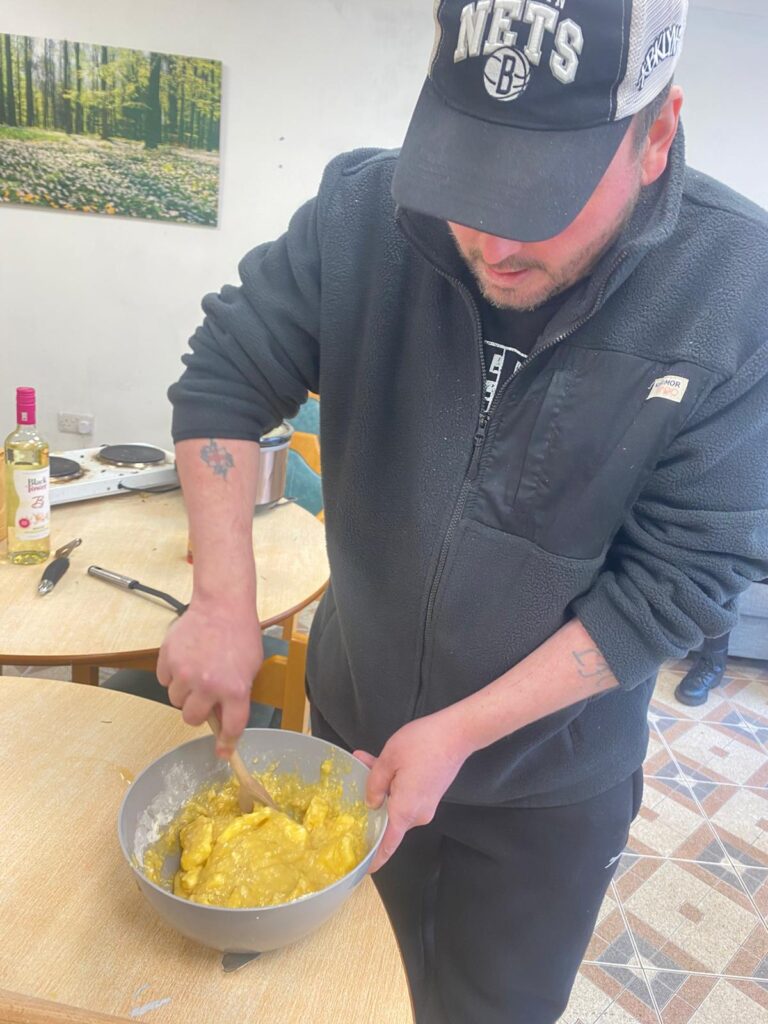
(229, 859)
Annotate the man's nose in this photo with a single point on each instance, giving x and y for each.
(496, 250)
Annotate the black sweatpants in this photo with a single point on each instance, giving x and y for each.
(493, 907)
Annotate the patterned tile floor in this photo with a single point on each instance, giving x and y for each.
(682, 936)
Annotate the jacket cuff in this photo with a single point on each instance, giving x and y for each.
(194, 417)
(627, 635)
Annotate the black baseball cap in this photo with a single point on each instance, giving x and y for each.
(526, 104)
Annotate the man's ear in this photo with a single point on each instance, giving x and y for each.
(660, 138)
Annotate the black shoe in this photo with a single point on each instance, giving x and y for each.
(704, 675)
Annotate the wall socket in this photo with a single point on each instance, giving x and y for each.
(76, 423)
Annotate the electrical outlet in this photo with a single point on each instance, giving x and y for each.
(76, 423)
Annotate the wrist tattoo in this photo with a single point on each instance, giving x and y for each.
(591, 664)
(219, 459)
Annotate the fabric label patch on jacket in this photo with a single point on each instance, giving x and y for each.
(671, 388)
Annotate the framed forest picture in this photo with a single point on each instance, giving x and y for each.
(107, 130)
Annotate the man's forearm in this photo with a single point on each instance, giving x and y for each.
(218, 478)
(565, 669)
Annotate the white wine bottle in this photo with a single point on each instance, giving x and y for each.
(27, 486)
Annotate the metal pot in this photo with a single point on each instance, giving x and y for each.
(159, 792)
(273, 465)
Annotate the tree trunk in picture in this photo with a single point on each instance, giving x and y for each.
(55, 73)
(17, 81)
(154, 113)
(28, 82)
(202, 129)
(104, 89)
(10, 98)
(52, 75)
(203, 122)
(194, 110)
(117, 107)
(67, 92)
(182, 112)
(78, 93)
(173, 102)
(213, 134)
(46, 110)
(213, 113)
(2, 84)
(50, 84)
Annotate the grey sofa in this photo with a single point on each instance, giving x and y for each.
(750, 638)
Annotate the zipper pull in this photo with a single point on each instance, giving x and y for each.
(477, 445)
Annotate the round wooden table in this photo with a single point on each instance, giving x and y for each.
(75, 930)
(87, 622)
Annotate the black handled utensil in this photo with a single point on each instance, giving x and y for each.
(128, 583)
(56, 569)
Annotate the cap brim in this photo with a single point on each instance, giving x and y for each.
(512, 182)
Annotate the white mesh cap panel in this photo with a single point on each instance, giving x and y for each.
(655, 42)
(438, 36)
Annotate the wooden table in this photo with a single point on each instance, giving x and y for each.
(74, 928)
(86, 622)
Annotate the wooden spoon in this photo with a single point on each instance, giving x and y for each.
(250, 789)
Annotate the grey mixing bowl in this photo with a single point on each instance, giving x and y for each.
(156, 795)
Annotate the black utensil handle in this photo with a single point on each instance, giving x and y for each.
(176, 605)
(55, 570)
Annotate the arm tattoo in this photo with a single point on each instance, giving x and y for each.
(591, 664)
(219, 459)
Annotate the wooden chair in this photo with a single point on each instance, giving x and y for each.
(281, 679)
(280, 683)
(278, 699)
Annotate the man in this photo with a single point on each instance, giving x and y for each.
(540, 347)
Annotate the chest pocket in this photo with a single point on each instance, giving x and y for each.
(570, 454)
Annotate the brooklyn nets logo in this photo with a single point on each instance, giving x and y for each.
(507, 74)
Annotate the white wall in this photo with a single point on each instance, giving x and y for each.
(96, 311)
(721, 73)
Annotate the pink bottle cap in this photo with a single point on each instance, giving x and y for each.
(25, 406)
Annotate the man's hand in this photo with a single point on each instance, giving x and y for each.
(415, 768)
(208, 660)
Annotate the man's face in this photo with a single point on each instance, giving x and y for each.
(523, 275)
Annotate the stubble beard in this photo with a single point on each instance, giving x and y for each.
(555, 281)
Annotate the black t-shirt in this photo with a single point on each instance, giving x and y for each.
(508, 337)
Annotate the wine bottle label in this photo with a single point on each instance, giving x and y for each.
(33, 516)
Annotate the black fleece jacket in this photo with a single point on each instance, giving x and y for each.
(621, 476)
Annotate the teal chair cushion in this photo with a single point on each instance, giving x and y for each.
(308, 418)
(303, 484)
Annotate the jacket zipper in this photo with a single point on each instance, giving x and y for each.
(478, 441)
(458, 512)
(470, 475)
